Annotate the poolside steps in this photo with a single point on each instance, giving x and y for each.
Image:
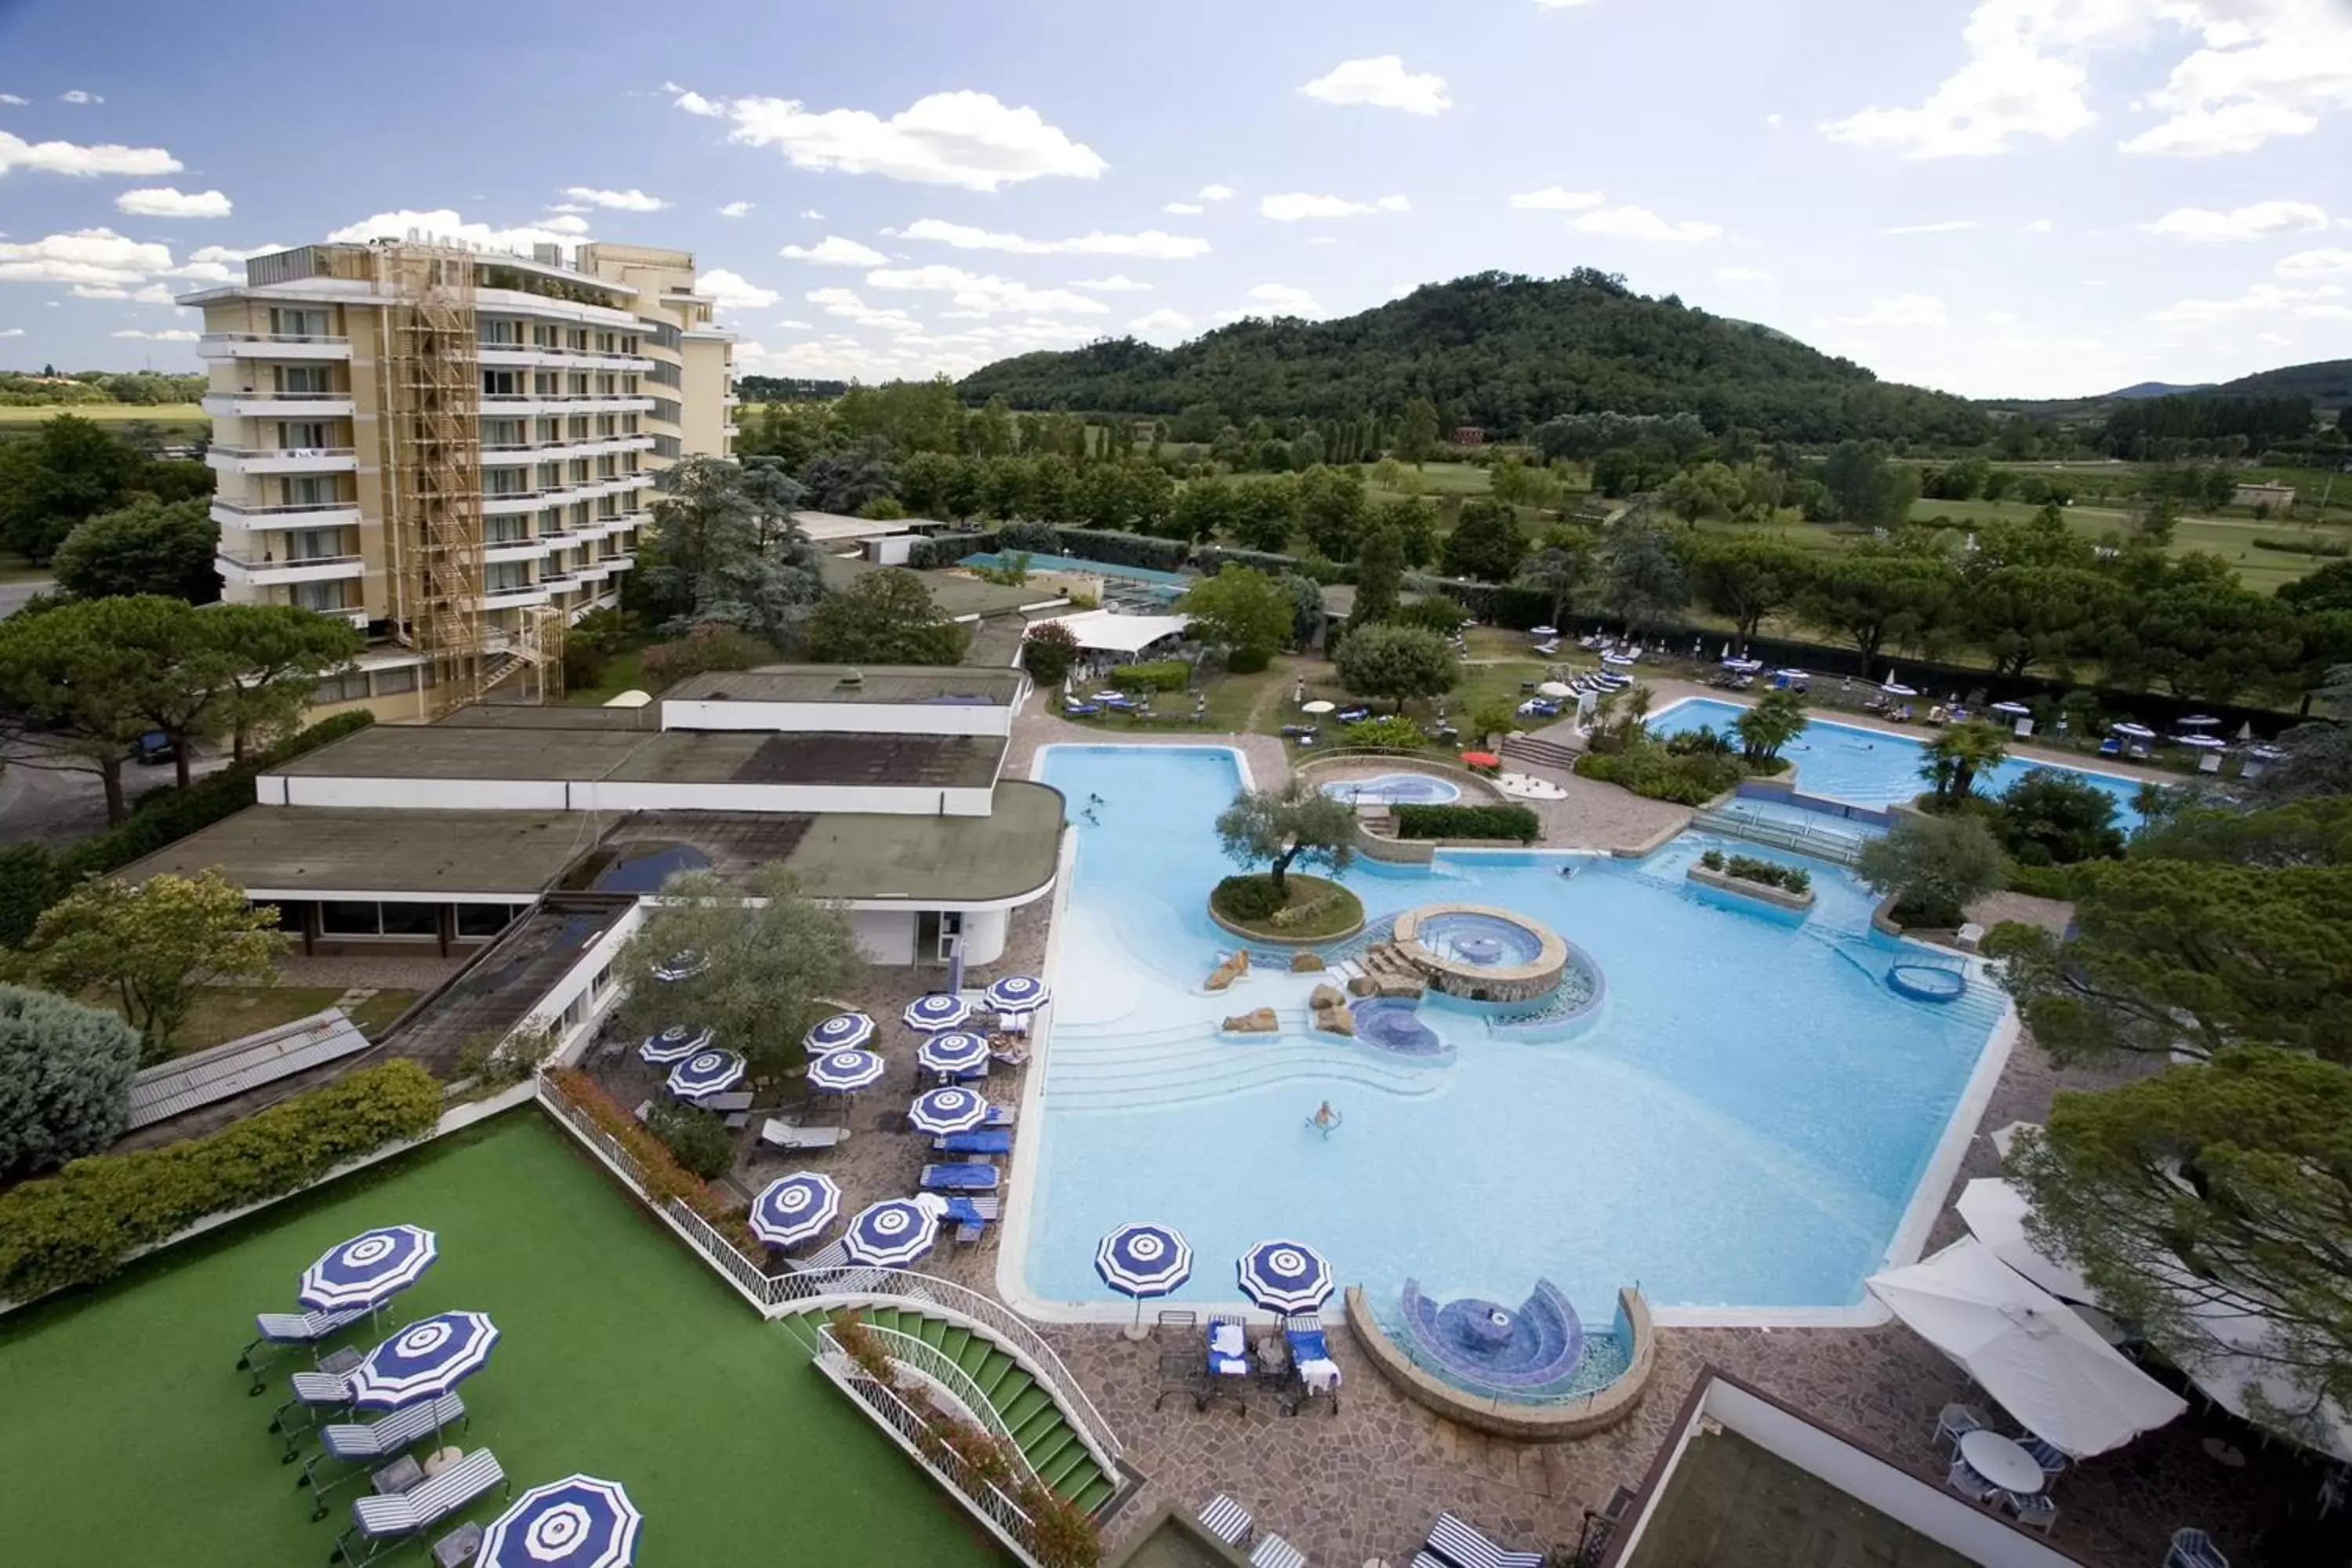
(1117, 1074)
(1534, 751)
(1391, 971)
(1024, 1406)
(1834, 845)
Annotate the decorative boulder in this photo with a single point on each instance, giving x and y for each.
(1335, 1020)
(1363, 986)
(1306, 963)
(1326, 996)
(1259, 1021)
(1231, 970)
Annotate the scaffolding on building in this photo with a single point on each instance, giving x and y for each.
(429, 434)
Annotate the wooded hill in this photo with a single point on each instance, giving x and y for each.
(1501, 352)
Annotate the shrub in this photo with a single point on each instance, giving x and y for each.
(77, 1227)
(1246, 898)
(2053, 819)
(1389, 732)
(657, 1169)
(2302, 546)
(1122, 549)
(950, 548)
(1034, 538)
(702, 650)
(1158, 675)
(1439, 613)
(1750, 868)
(1048, 652)
(2043, 882)
(699, 1140)
(1248, 660)
(1651, 771)
(1468, 822)
(1703, 741)
(1712, 859)
(65, 1079)
(1934, 866)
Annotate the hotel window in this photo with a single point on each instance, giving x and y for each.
(544, 337)
(551, 430)
(311, 489)
(607, 467)
(503, 574)
(392, 682)
(323, 596)
(498, 382)
(314, 543)
(501, 334)
(550, 476)
(481, 920)
(577, 385)
(506, 531)
(578, 470)
(303, 378)
(302, 435)
(604, 424)
(577, 339)
(506, 432)
(298, 324)
(628, 423)
(339, 918)
(505, 481)
(545, 383)
(579, 514)
(579, 427)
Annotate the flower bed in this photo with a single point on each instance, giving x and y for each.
(1310, 909)
(1791, 886)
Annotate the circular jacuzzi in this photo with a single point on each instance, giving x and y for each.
(1396, 789)
(1485, 941)
(1482, 955)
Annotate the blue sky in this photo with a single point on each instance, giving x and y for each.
(1999, 197)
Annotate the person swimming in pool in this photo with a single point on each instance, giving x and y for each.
(1325, 1117)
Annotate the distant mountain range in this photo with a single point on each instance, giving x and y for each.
(2326, 382)
(2144, 389)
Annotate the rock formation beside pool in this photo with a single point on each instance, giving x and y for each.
(1231, 970)
(1334, 1018)
(1306, 963)
(1258, 1021)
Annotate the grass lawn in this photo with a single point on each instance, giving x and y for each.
(624, 672)
(223, 1013)
(126, 1436)
(161, 413)
(1232, 702)
(1330, 909)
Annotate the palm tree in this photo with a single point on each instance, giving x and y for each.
(1957, 756)
(1777, 718)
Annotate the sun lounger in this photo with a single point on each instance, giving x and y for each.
(789, 1137)
(1311, 1363)
(970, 1216)
(2192, 1548)
(1227, 1520)
(986, 1141)
(317, 1393)
(1465, 1547)
(1228, 1362)
(382, 1521)
(1001, 1116)
(1273, 1552)
(726, 1104)
(1081, 709)
(360, 1444)
(962, 1178)
(278, 1329)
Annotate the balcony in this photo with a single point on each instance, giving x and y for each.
(272, 345)
(531, 356)
(266, 572)
(250, 405)
(293, 514)
(515, 596)
(527, 402)
(498, 550)
(283, 459)
(581, 447)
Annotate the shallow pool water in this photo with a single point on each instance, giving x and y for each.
(1739, 1122)
(1397, 789)
(1870, 767)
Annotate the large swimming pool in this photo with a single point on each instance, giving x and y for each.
(1870, 767)
(1740, 1123)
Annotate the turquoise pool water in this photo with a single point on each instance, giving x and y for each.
(1174, 580)
(1741, 1122)
(1870, 767)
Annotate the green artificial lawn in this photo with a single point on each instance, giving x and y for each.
(126, 1436)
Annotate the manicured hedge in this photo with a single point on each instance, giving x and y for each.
(1468, 822)
(1124, 549)
(1659, 774)
(1155, 675)
(78, 1226)
(1249, 898)
(33, 878)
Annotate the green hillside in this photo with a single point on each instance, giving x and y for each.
(2328, 383)
(1498, 351)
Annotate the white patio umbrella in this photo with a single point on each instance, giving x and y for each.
(1995, 1212)
(2005, 1138)
(1554, 688)
(2241, 1369)
(2037, 1359)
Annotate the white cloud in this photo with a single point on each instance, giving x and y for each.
(1900, 310)
(1556, 198)
(1381, 82)
(78, 95)
(982, 292)
(1215, 194)
(2326, 302)
(2260, 220)
(812, 215)
(1162, 325)
(1295, 205)
(152, 294)
(164, 202)
(1742, 275)
(1641, 223)
(1283, 299)
(169, 336)
(693, 102)
(1560, 4)
(2040, 226)
(967, 139)
(733, 291)
(1946, 225)
(13, 331)
(1323, 239)
(845, 303)
(2315, 263)
(1772, 120)
(791, 325)
(735, 209)
(97, 257)
(70, 158)
(1148, 245)
(1117, 283)
(444, 223)
(1998, 319)
(14, 101)
(568, 223)
(230, 253)
(834, 251)
(631, 200)
(99, 291)
(1184, 209)
(2267, 69)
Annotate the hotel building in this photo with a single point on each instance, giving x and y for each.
(453, 449)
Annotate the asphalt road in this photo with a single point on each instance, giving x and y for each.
(48, 805)
(13, 594)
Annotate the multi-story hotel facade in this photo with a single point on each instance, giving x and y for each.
(453, 449)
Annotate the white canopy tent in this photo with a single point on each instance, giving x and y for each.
(1995, 1212)
(1107, 631)
(2040, 1361)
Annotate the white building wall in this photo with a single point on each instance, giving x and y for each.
(887, 936)
(844, 718)
(984, 936)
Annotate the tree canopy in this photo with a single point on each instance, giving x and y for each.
(1295, 824)
(1397, 662)
(1242, 608)
(885, 618)
(65, 1080)
(147, 547)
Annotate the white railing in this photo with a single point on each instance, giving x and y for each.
(853, 1285)
(1004, 1518)
(919, 1356)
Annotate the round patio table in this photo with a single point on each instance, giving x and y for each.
(2001, 1462)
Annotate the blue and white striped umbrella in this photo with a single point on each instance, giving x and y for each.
(424, 1361)
(1144, 1259)
(683, 965)
(841, 1032)
(369, 1269)
(938, 1010)
(793, 1209)
(576, 1522)
(945, 1111)
(954, 1051)
(838, 1072)
(705, 1072)
(674, 1044)
(890, 1234)
(1286, 1277)
(1017, 993)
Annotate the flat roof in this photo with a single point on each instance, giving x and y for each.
(518, 716)
(956, 596)
(944, 685)
(1731, 1500)
(307, 851)
(524, 753)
